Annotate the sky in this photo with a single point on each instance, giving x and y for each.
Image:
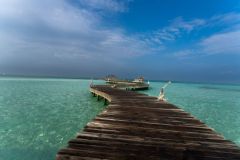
(187, 40)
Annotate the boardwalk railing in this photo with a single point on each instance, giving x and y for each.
(136, 126)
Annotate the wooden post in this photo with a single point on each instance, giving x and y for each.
(105, 101)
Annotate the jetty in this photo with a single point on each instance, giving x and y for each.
(136, 84)
(135, 126)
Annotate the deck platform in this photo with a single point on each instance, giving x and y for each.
(129, 85)
(135, 126)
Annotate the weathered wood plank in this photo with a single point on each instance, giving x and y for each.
(135, 126)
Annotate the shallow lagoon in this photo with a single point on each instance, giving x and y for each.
(39, 116)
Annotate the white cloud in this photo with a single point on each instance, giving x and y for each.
(56, 29)
(52, 32)
(225, 42)
(179, 24)
(183, 54)
(179, 27)
(222, 43)
(106, 5)
(219, 43)
(176, 29)
(56, 14)
(225, 19)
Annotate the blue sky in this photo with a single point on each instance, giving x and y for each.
(159, 39)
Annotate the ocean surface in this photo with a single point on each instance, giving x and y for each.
(39, 116)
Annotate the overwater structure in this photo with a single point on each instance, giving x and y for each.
(137, 126)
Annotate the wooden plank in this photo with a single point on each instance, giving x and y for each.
(137, 126)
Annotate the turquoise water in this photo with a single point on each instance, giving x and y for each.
(39, 116)
(216, 105)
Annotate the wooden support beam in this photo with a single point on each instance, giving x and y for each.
(105, 101)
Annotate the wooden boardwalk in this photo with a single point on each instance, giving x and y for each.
(135, 126)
